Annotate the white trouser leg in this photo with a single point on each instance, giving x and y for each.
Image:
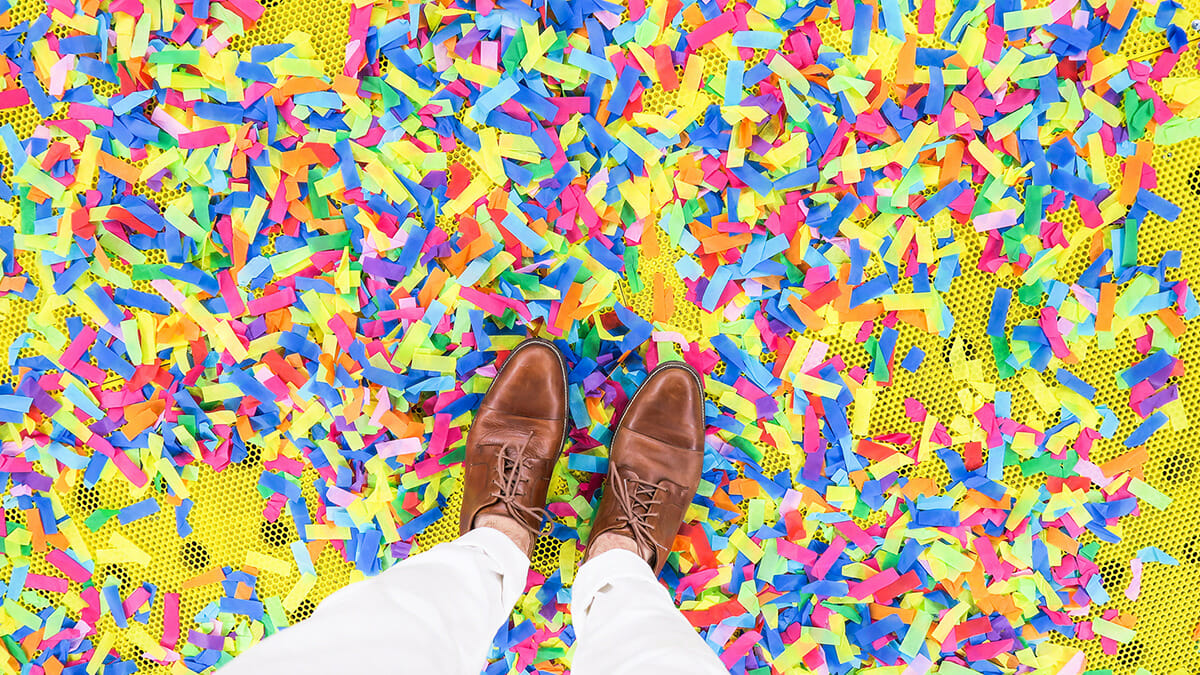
(436, 612)
(626, 623)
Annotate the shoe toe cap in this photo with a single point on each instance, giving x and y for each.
(531, 382)
(669, 408)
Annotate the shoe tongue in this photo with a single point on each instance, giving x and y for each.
(653, 463)
(512, 441)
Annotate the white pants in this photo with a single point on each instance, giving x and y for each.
(437, 612)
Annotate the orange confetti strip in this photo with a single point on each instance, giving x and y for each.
(1104, 313)
(1172, 321)
(119, 168)
(212, 576)
(298, 85)
(664, 299)
(1119, 13)
(569, 304)
(1129, 461)
(1132, 181)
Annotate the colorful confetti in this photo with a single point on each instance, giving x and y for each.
(220, 258)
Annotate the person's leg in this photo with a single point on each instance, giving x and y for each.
(625, 622)
(436, 612)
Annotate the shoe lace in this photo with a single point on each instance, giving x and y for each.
(510, 483)
(635, 499)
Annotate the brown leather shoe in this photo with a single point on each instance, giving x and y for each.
(654, 462)
(515, 439)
